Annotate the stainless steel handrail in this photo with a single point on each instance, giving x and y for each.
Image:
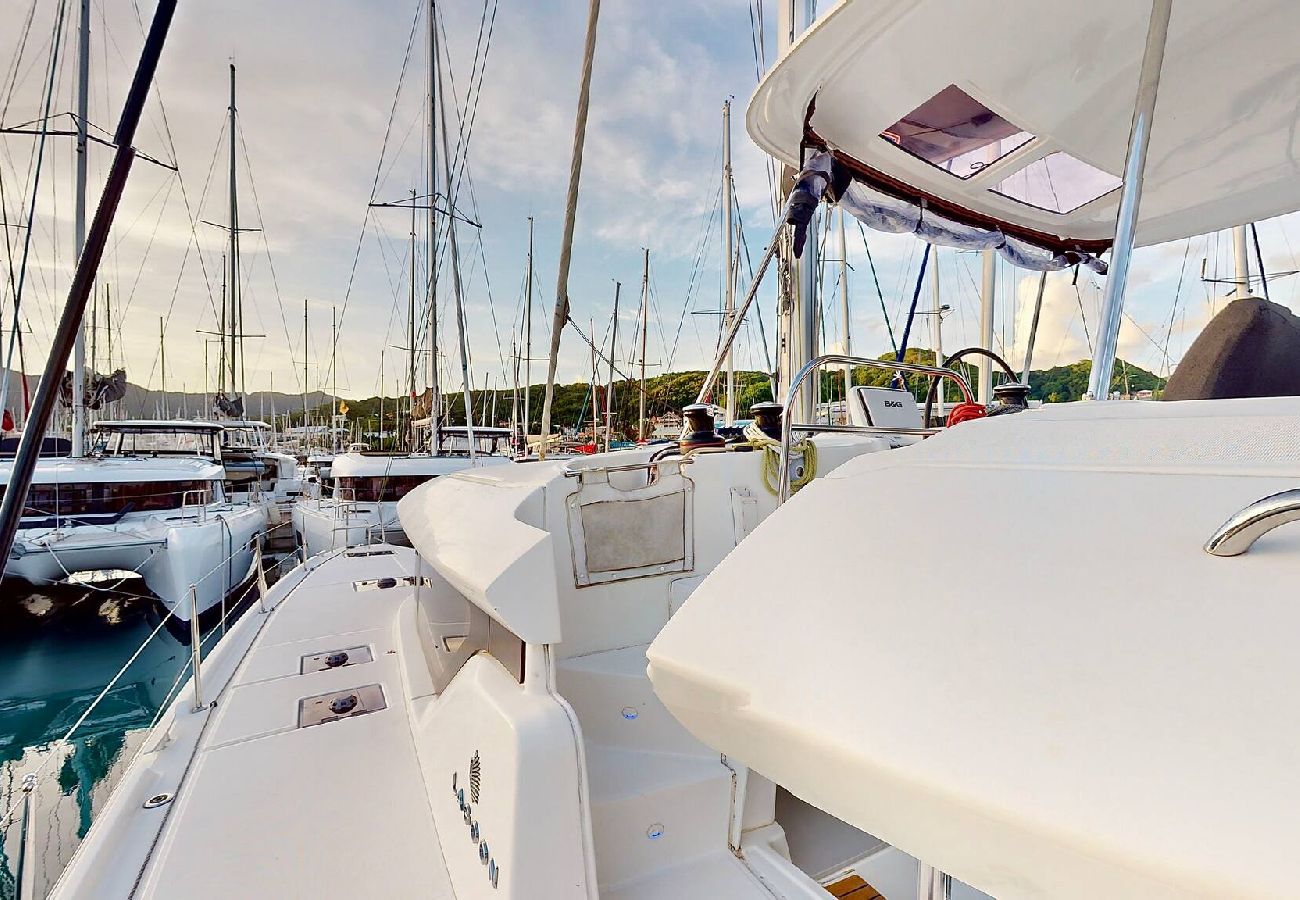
(201, 504)
(1235, 536)
(196, 649)
(787, 426)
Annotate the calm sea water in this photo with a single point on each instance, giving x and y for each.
(59, 647)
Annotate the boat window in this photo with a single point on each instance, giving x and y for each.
(378, 488)
(158, 443)
(111, 497)
(241, 439)
(957, 133)
(1058, 183)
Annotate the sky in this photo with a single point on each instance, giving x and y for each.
(325, 130)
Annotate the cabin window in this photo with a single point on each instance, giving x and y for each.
(377, 488)
(955, 132)
(158, 443)
(109, 498)
(1058, 183)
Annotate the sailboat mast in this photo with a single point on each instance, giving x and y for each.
(410, 329)
(570, 214)
(304, 371)
(221, 368)
(1241, 261)
(728, 254)
(798, 307)
(595, 396)
(988, 291)
(528, 339)
(613, 352)
(236, 325)
(645, 322)
(454, 251)
(79, 230)
(334, 367)
(845, 321)
(162, 363)
(435, 392)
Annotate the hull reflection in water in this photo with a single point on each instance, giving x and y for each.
(59, 647)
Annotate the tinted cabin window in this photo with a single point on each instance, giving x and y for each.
(378, 488)
(109, 498)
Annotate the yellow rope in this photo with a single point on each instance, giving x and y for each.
(771, 450)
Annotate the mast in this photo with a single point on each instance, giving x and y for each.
(457, 289)
(645, 321)
(798, 309)
(1241, 262)
(595, 397)
(988, 286)
(162, 363)
(938, 330)
(728, 252)
(79, 230)
(334, 399)
(845, 322)
(435, 391)
(304, 372)
(236, 304)
(528, 339)
(570, 214)
(613, 352)
(221, 369)
(410, 330)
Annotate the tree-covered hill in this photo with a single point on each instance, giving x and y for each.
(572, 405)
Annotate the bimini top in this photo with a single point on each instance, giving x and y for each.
(152, 425)
(1017, 118)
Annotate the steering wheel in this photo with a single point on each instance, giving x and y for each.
(947, 363)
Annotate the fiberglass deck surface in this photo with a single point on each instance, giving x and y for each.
(270, 809)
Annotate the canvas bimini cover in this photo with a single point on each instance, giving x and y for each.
(1009, 126)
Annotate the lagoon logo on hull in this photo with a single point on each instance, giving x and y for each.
(467, 811)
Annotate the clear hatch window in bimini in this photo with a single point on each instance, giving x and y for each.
(955, 132)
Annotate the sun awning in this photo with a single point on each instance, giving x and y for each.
(1017, 119)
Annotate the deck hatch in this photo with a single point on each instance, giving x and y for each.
(335, 659)
(344, 704)
(364, 551)
(383, 584)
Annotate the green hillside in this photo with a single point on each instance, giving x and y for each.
(572, 405)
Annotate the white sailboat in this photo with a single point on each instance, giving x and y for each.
(840, 697)
(150, 499)
(356, 502)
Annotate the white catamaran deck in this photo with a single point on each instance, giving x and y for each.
(336, 811)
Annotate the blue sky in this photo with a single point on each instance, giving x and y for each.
(317, 81)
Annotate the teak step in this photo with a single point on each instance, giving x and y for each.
(854, 887)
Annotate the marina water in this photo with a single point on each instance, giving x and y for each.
(60, 646)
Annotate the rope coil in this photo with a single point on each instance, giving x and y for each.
(771, 450)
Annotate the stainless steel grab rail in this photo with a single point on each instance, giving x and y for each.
(787, 426)
(1235, 536)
